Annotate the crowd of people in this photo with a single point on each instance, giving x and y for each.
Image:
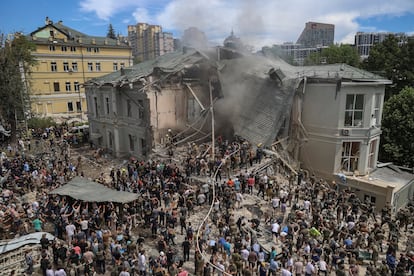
(315, 227)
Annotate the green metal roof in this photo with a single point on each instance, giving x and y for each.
(168, 63)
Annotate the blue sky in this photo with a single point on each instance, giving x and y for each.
(257, 22)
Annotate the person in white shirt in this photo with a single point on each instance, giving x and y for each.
(142, 263)
(244, 255)
(275, 204)
(239, 199)
(310, 269)
(276, 230)
(70, 232)
(307, 206)
(323, 267)
(286, 272)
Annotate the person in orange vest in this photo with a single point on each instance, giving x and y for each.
(230, 183)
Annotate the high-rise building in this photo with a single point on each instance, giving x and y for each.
(317, 35)
(365, 41)
(313, 39)
(148, 41)
(167, 45)
(66, 59)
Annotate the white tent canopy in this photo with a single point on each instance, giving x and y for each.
(33, 238)
(81, 188)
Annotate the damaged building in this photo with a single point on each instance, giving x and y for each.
(327, 116)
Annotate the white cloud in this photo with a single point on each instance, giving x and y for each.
(259, 22)
(142, 15)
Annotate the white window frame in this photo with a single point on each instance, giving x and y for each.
(66, 66)
(68, 86)
(76, 86)
(353, 110)
(53, 66)
(348, 158)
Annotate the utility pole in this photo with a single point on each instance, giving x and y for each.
(213, 149)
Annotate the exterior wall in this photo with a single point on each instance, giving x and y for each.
(50, 100)
(404, 196)
(365, 41)
(119, 120)
(323, 117)
(363, 190)
(320, 118)
(317, 34)
(168, 109)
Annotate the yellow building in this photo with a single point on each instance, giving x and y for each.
(66, 59)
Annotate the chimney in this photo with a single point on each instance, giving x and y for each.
(47, 20)
(60, 22)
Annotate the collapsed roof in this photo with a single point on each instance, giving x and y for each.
(257, 91)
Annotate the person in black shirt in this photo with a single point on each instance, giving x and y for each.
(44, 242)
(186, 249)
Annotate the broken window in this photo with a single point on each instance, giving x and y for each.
(350, 156)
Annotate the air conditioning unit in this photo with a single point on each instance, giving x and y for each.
(345, 132)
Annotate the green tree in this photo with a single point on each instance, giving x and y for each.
(398, 128)
(38, 122)
(15, 62)
(342, 53)
(393, 59)
(111, 32)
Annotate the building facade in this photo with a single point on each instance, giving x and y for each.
(127, 116)
(330, 113)
(149, 41)
(317, 34)
(313, 39)
(365, 41)
(66, 59)
(342, 121)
